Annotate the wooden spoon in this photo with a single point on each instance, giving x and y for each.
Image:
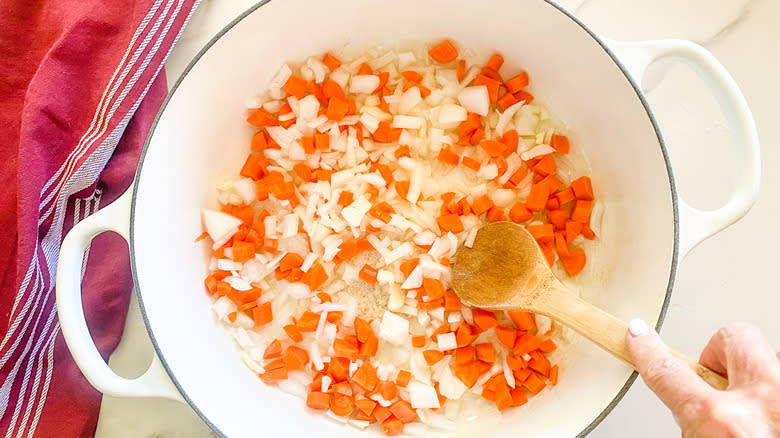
(506, 270)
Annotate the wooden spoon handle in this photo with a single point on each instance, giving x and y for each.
(606, 331)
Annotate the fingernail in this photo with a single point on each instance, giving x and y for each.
(638, 327)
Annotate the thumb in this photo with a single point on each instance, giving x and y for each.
(669, 377)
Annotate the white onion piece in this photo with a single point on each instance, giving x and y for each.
(407, 122)
(363, 84)
(394, 329)
(451, 113)
(542, 149)
(245, 188)
(409, 100)
(506, 117)
(219, 225)
(475, 99)
(423, 396)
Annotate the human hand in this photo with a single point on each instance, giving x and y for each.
(750, 407)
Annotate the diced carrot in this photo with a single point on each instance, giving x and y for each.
(518, 397)
(543, 233)
(253, 167)
(273, 350)
(583, 190)
(461, 69)
(403, 378)
(523, 320)
(451, 302)
(491, 73)
(546, 166)
(418, 341)
(525, 344)
(539, 363)
(403, 411)
(558, 218)
(574, 262)
(534, 384)
(331, 62)
(506, 101)
(366, 405)
(434, 288)
(560, 143)
(547, 346)
(385, 134)
(464, 355)
(471, 163)
(402, 151)
(467, 373)
(524, 96)
(496, 214)
(293, 332)
(517, 83)
(581, 211)
(573, 229)
(484, 319)
(383, 78)
(338, 368)
(444, 52)
(315, 277)
(387, 390)
(343, 388)
(407, 266)
(382, 413)
(481, 205)
(552, 183)
(554, 375)
(511, 139)
(506, 335)
(243, 251)
(345, 198)
(303, 171)
(432, 356)
(392, 426)
(259, 142)
(262, 314)
(486, 352)
(342, 405)
(521, 375)
(450, 222)
(471, 124)
(318, 400)
(503, 396)
(332, 89)
(365, 69)
(411, 75)
(289, 261)
(368, 274)
(337, 108)
(495, 62)
(295, 358)
(565, 196)
(260, 117)
(308, 144)
(493, 148)
(537, 198)
(448, 157)
(464, 335)
(548, 252)
(515, 363)
(344, 348)
(519, 213)
(370, 346)
(477, 137)
(365, 377)
(491, 84)
(321, 142)
(308, 321)
(295, 86)
(588, 232)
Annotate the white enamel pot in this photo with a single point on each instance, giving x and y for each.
(200, 139)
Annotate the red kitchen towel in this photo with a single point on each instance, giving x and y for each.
(80, 83)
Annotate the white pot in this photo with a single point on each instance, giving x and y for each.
(200, 138)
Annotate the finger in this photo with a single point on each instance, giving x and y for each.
(741, 352)
(670, 378)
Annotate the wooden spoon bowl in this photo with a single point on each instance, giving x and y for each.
(505, 270)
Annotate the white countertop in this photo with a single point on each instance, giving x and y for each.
(726, 279)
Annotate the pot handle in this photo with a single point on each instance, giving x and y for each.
(154, 382)
(697, 225)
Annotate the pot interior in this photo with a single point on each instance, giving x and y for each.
(200, 139)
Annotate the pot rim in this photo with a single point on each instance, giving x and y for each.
(675, 208)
